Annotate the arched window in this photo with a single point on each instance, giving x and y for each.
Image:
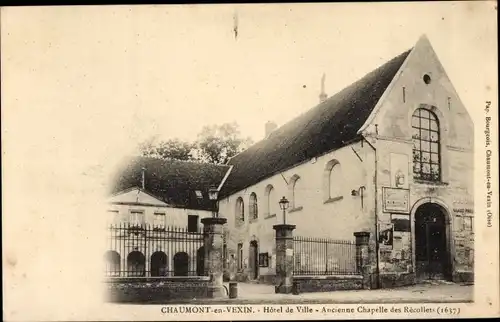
(271, 201)
(426, 145)
(240, 211)
(254, 212)
(333, 181)
(296, 191)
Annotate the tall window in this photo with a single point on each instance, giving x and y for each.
(192, 223)
(240, 211)
(295, 184)
(270, 200)
(335, 181)
(254, 213)
(426, 148)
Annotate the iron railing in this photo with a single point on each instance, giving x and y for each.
(148, 250)
(322, 256)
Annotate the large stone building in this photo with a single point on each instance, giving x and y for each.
(391, 154)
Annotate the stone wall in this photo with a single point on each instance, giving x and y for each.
(315, 214)
(328, 283)
(156, 289)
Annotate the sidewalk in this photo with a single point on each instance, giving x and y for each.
(421, 293)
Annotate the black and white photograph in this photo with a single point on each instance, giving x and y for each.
(250, 161)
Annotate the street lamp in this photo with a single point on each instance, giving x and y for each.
(284, 206)
(213, 194)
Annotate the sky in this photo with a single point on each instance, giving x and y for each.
(82, 86)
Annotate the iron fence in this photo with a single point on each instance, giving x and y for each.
(322, 256)
(148, 250)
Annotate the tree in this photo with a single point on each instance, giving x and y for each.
(175, 149)
(218, 143)
(215, 144)
(170, 149)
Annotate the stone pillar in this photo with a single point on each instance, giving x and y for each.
(363, 264)
(284, 258)
(212, 229)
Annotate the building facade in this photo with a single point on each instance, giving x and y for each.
(154, 213)
(391, 155)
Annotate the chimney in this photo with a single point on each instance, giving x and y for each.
(143, 179)
(270, 127)
(322, 95)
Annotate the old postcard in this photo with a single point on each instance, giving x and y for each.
(230, 162)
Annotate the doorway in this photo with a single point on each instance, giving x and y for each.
(159, 264)
(432, 253)
(253, 260)
(181, 262)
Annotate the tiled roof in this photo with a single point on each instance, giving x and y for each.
(174, 182)
(329, 126)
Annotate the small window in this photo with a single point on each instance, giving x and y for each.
(427, 79)
(159, 220)
(136, 217)
(199, 194)
(192, 223)
(264, 260)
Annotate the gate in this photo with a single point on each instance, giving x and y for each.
(148, 250)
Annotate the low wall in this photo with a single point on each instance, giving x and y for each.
(156, 289)
(309, 284)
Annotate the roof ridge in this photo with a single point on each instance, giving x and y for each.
(327, 126)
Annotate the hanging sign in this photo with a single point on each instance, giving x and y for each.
(395, 200)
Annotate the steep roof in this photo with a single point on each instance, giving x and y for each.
(174, 182)
(329, 126)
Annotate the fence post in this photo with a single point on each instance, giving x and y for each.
(284, 258)
(212, 229)
(363, 264)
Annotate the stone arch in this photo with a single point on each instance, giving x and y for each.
(181, 264)
(448, 218)
(113, 263)
(159, 264)
(136, 264)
